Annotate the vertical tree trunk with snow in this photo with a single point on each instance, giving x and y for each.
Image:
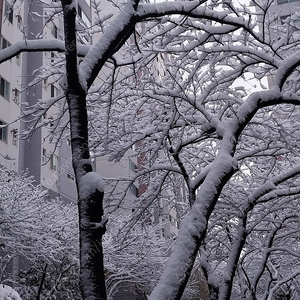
(193, 229)
(89, 184)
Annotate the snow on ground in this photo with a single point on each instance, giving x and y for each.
(8, 293)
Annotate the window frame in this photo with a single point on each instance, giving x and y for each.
(3, 132)
(16, 95)
(132, 166)
(4, 88)
(70, 176)
(19, 22)
(18, 57)
(83, 16)
(14, 133)
(134, 190)
(54, 162)
(54, 30)
(53, 90)
(8, 12)
(44, 155)
(4, 43)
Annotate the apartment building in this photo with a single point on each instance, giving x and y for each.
(10, 85)
(285, 8)
(282, 9)
(49, 164)
(287, 3)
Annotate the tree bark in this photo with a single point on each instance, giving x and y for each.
(38, 296)
(92, 279)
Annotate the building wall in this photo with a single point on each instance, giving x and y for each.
(19, 72)
(122, 169)
(11, 72)
(286, 8)
(286, 5)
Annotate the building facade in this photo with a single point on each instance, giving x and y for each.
(49, 164)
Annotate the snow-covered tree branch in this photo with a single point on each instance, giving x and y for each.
(207, 94)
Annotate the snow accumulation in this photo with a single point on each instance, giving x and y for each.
(33, 45)
(8, 293)
(286, 65)
(96, 53)
(89, 183)
(180, 259)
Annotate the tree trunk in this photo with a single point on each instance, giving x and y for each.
(92, 280)
(192, 232)
(38, 296)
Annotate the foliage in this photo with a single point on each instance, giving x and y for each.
(39, 230)
(60, 281)
(135, 257)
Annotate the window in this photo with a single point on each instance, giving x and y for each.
(3, 132)
(18, 59)
(19, 22)
(16, 95)
(14, 136)
(4, 43)
(44, 156)
(4, 88)
(132, 166)
(53, 90)
(134, 190)
(79, 11)
(294, 21)
(54, 30)
(70, 176)
(52, 57)
(282, 18)
(50, 121)
(83, 16)
(53, 162)
(8, 12)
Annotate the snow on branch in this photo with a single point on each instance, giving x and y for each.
(108, 44)
(38, 46)
(89, 183)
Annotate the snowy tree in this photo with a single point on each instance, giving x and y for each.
(41, 232)
(134, 258)
(33, 226)
(55, 280)
(182, 95)
(194, 114)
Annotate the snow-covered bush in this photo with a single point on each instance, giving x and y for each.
(8, 293)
